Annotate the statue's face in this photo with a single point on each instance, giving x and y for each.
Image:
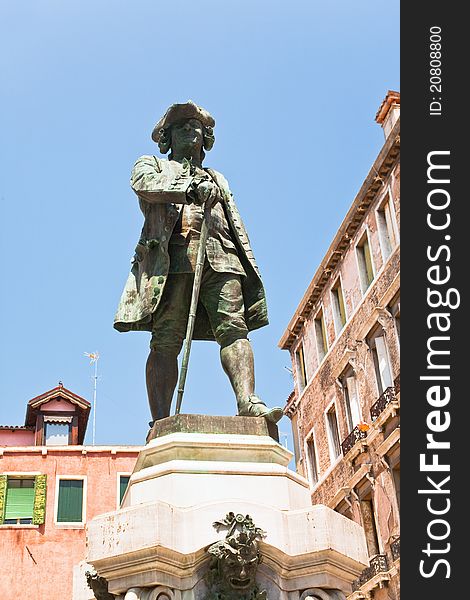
(239, 573)
(187, 135)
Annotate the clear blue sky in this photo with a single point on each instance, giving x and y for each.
(293, 86)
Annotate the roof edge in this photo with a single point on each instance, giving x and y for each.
(307, 304)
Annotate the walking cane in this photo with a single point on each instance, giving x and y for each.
(201, 255)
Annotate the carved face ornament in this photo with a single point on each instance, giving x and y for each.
(239, 573)
(238, 557)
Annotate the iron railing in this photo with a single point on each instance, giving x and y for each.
(396, 384)
(395, 548)
(382, 402)
(378, 564)
(355, 435)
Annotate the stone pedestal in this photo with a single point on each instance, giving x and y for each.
(155, 546)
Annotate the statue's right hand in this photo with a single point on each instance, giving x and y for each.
(203, 191)
(208, 192)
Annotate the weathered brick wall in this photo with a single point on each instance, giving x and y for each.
(364, 311)
(348, 271)
(323, 387)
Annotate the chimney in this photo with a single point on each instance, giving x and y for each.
(389, 112)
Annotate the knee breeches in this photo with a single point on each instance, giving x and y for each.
(220, 294)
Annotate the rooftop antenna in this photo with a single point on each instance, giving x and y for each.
(94, 356)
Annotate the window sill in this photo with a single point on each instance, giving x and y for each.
(70, 525)
(18, 526)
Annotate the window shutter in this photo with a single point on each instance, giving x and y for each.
(39, 508)
(353, 400)
(3, 492)
(333, 432)
(20, 500)
(384, 366)
(300, 368)
(70, 501)
(312, 460)
(342, 309)
(323, 335)
(389, 221)
(368, 261)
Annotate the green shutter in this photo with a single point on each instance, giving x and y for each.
(70, 509)
(3, 492)
(123, 481)
(20, 499)
(39, 508)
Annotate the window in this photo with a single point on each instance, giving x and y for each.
(312, 464)
(396, 481)
(70, 501)
(19, 501)
(393, 461)
(123, 483)
(369, 525)
(383, 371)
(333, 433)
(364, 260)
(320, 334)
(386, 228)
(57, 434)
(300, 368)
(351, 398)
(339, 311)
(295, 436)
(394, 310)
(22, 499)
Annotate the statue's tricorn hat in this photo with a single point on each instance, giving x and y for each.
(177, 112)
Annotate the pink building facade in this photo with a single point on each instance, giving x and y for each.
(50, 486)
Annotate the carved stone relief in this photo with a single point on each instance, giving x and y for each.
(235, 560)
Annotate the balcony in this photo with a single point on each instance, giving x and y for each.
(358, 433)
(389, 397)
(385, 399)
(395, 549)
(378, 564)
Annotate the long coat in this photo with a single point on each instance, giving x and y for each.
(161, 186)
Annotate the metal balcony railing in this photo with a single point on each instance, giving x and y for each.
(396, 384)
(377, 564)
(395, 548)
(355, 435)
(382, 402)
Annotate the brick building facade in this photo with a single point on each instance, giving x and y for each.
(344, 345)
(50, 486)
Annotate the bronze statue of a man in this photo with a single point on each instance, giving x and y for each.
(157, 294)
